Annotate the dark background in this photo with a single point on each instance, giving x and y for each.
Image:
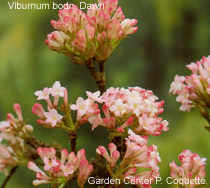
(171, 34)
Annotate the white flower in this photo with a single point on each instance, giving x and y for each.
(4, 125)
(43, 94)
(118, 108)
(57, 90)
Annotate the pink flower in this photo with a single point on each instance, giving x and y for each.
(193, 90)
(82, 106)
(43, 95)
(84, 171)
(96, 121)
(94, 96)
(127, 26)
(68, 169)
(177, 84)
(192, 167)
(14, 128)
(38, 110)
(121, 108)
(52, 117)
(17, 109)
(94, 34)
(50, 163)
(7, 158)
(57, 90)
(114, 154)
(139, 162)
(4, 126)
(46, 152)
(59, 170)
(56, 40)
(136, 138)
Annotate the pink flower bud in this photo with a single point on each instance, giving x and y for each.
(115, 156)
(84, 170)
(38, 110)
(192, 166)
(18, 111)
(65, 98)
(103, 152)
(64, 155)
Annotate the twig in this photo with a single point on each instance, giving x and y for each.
(99, 77)
(205, 114)
(12, 171)
(34, 143)
(102, 84)
(73, 138)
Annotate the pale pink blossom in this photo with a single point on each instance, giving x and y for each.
(139, 162)
(59, 170)
(50, 163)
(52, 117)
(119, 108)
(68, 169)
(82, 106)
(94, 34)
(136, 108)
(42, 177)
(193, 90)
(43, 94)
(57, 90)
(192, 168)
(4, 126)
(95, 121)
(7, 158)
(177, 84)
(94, 96)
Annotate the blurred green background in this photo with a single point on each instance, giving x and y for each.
(171, 34)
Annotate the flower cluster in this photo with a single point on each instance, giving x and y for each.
(191, 171)
(13, 131)
(134, 107)
(193, 90)
(51, 118)
(94, 34)
(60, 171)
(138, 157)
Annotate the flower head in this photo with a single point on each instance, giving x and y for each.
(59, 170)
(193, 90)
(51, 118)
(133, 107)
(94, 34)
(140, 161)
(192, 168)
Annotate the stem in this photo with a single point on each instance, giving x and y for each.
(34, 143)
(12, 171)
(99, 77)
(205, 114)
(73, 139)
(103, 76)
